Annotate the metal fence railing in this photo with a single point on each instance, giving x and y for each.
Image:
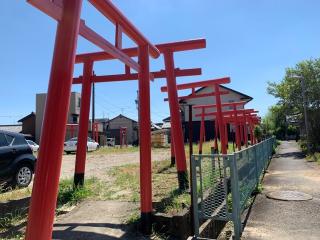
(222, 184)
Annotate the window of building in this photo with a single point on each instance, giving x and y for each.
(74, 118)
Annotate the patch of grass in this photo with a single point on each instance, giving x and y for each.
(134, 218)
(314, 157)
(15, 194)
(115, 150)
(179, 200)
(249, 202)
(259, 188)
(125, 186)
(68, 195)
(12, 219)
(15, 219)
(18, 236)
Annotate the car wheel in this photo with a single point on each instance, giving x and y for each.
(23, 176)
(67, 152)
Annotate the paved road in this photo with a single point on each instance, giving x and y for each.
(287, 220)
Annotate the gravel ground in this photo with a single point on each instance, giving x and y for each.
(287, 220)
(97, 164)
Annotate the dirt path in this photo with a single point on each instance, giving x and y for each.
(97, 164)
(95, 220)
(287, 220)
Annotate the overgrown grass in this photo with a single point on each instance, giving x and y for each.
(311, 157)
(124, 185)
(69, 195)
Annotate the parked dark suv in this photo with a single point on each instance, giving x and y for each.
(17, 162)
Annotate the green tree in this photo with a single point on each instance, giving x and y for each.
(289, 94)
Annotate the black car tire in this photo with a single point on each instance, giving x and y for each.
(67, 152)
(23, 176)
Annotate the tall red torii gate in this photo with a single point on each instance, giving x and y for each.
(67, 13)
(215, 84)
(169, 75)
(45, 188)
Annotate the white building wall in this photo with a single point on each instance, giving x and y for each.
(227, 98)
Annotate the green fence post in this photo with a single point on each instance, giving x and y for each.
(256, 165)
(195, 196)
(236, 214)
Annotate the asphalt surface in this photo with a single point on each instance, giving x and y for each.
(287, 220)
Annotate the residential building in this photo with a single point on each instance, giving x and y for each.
(29, 125)
(120, 121)
(17, 128)
(73, 113)
(232, 96)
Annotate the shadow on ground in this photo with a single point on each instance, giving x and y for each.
(293, 155)
(71, 233)
(13, 210)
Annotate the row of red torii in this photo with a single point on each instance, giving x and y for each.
(69, 27)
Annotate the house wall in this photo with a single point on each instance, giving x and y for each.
(209, 121)
(73, 113)
(120, 121)
(29, 125)
(227, 98)
(209, 131)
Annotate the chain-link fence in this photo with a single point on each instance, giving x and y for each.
(222, 184)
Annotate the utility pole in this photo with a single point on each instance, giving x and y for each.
(305, 102)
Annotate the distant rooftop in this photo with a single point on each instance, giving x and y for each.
(17, 128)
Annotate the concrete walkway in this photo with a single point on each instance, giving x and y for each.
(95, 220)
(284, 220)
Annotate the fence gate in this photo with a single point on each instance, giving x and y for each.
(223, 184)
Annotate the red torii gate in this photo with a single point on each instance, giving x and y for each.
(123, 137)
(170, 75)
(45, 188)
(95, 132)
(229, 116)
(215, 83)
(203, 108)
(68, 16)
(71, 127)
(247, 120)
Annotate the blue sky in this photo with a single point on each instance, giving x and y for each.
(251, 41)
